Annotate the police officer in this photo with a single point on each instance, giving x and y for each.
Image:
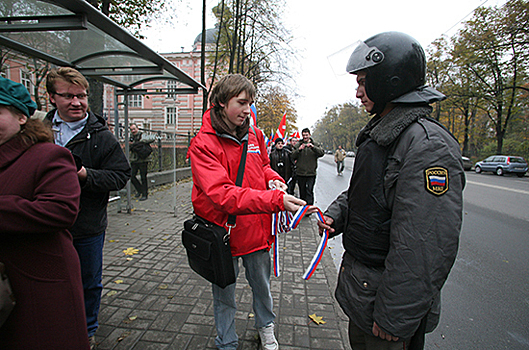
(401, 215)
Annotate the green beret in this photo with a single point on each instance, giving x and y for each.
(16, 95)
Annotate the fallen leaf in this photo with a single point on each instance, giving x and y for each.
(130, 251)
(123, 336)
(251, 315)
(111, 293)
(129, 259)
(317, 319)
(130, 319)
(162, 286)
(118, 281)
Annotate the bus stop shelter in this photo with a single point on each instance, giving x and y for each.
(75, 34)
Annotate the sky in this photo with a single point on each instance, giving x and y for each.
(323, 35)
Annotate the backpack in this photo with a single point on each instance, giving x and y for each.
(142, 149)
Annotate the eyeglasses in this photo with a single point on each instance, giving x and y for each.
(69, 96)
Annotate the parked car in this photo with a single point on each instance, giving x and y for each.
(349, 154)
(500, 165)
(467, 163)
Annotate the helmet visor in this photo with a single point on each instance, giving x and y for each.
(364, 57)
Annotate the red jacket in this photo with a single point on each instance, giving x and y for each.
(214, 163)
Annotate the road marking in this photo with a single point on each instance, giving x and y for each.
(498, 187)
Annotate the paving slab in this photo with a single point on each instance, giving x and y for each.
(153, 300)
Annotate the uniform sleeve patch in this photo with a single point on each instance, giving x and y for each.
(436, 180)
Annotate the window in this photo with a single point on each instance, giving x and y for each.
(171, 114)
(25, 79)
(4, 72)
(171, 86)
(136, 101)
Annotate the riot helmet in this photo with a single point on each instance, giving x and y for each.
(395, 66)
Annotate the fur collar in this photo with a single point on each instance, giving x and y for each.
(384, 130)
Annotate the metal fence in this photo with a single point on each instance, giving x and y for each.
(169, 154)
(169, 148)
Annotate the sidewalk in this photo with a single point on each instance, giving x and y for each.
(153, 300)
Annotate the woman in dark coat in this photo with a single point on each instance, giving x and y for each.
(39, 201)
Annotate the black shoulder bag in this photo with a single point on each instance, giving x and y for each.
(208, 244)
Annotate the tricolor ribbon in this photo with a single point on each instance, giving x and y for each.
(323, 241)
(278, 226)
(319, 252)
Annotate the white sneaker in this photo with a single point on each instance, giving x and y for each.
(268, 339)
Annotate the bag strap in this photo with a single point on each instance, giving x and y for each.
(238, 182)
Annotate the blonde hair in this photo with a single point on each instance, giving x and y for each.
(68, 75)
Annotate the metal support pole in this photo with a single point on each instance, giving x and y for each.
(160, 155)
(174, 172)
(127, 150)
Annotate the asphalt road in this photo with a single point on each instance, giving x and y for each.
(486, 297)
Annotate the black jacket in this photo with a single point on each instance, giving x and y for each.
(107, 170)
(400, 220)
(280, 161)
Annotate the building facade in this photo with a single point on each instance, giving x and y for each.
(171, 112)
(180, 113)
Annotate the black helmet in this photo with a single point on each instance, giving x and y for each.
(395, 66)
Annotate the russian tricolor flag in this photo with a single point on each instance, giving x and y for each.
(437, 180)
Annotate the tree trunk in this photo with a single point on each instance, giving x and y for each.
(203, 59)
(235, 36)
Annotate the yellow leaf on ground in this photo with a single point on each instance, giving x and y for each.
(111, 293)
(130, 251)
(317, 319)
(118, 281)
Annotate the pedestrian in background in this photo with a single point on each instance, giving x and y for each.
(306, 155)
(339, 157)
(39, 201)
(402, 213)
(140, 156)
(103, 168)
(280, 161)
(215, 157)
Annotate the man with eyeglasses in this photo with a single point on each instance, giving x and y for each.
(102, 167)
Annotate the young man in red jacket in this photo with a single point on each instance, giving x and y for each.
(215, 157)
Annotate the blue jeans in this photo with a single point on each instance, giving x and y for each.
(258, 268)
(90, 251)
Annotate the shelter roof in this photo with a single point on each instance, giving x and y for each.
(74, 33)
